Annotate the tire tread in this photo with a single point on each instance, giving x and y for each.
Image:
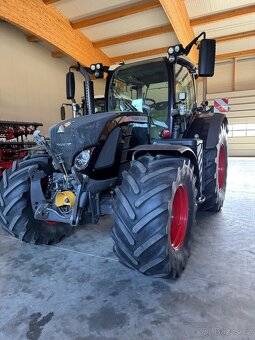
(16, 214)
(141, 243)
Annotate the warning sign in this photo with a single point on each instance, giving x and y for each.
(220, 105)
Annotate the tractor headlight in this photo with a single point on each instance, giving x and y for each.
(174, 52)
(170, 50)
(82, 159)
(171, 58)
(177, 48)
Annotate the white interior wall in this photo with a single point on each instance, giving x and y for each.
(245, 71)
(32, 85)
(199, 90)
(239, 88)
(222, 81)
(99, 87)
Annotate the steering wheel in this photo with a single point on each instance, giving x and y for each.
(161, 106)
(153, 102)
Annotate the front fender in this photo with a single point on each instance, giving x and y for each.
(168, 149)
(172, 150)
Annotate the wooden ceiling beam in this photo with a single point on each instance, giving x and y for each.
(161, 30)
(167, 28)
(50, 25)
(222, 15)
(57, 54)
(142, 6)
(32, 38)
(234, 75)
(49, 2)
(241, 35)
(152, 32)
(178, 17)
(137, 55)
(158, 51)
(134, 36)
(236, 54)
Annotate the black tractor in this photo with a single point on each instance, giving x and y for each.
(150, 160)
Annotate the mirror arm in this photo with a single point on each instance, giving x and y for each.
(83, 71)
(193, 42)
(73, 67)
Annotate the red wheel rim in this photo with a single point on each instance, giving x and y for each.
(50, 222)
(221, 167)
(179, 220)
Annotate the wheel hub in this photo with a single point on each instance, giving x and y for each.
(179, 220)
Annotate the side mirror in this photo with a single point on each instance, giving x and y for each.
(63, 112)
(206, 60)
(70, 85)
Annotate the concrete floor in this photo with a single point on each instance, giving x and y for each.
(78, 290)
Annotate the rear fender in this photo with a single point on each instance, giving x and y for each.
(207, 127)
(214, 130)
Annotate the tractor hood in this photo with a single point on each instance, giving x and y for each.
(71, 136)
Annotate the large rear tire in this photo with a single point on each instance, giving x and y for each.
(154, 211)
(16, 213)
(216, 165)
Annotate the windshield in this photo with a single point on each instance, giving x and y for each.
(142, 87)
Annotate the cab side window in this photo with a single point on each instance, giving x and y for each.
(184, 83)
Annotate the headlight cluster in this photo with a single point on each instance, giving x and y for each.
(82, 159)
(174, 51)
(97, 69)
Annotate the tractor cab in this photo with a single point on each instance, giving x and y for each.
(165, 92)
(143, 87)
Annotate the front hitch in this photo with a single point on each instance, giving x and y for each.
(43, 210)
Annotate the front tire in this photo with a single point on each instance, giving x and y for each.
(154, 211)
(16, 213)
